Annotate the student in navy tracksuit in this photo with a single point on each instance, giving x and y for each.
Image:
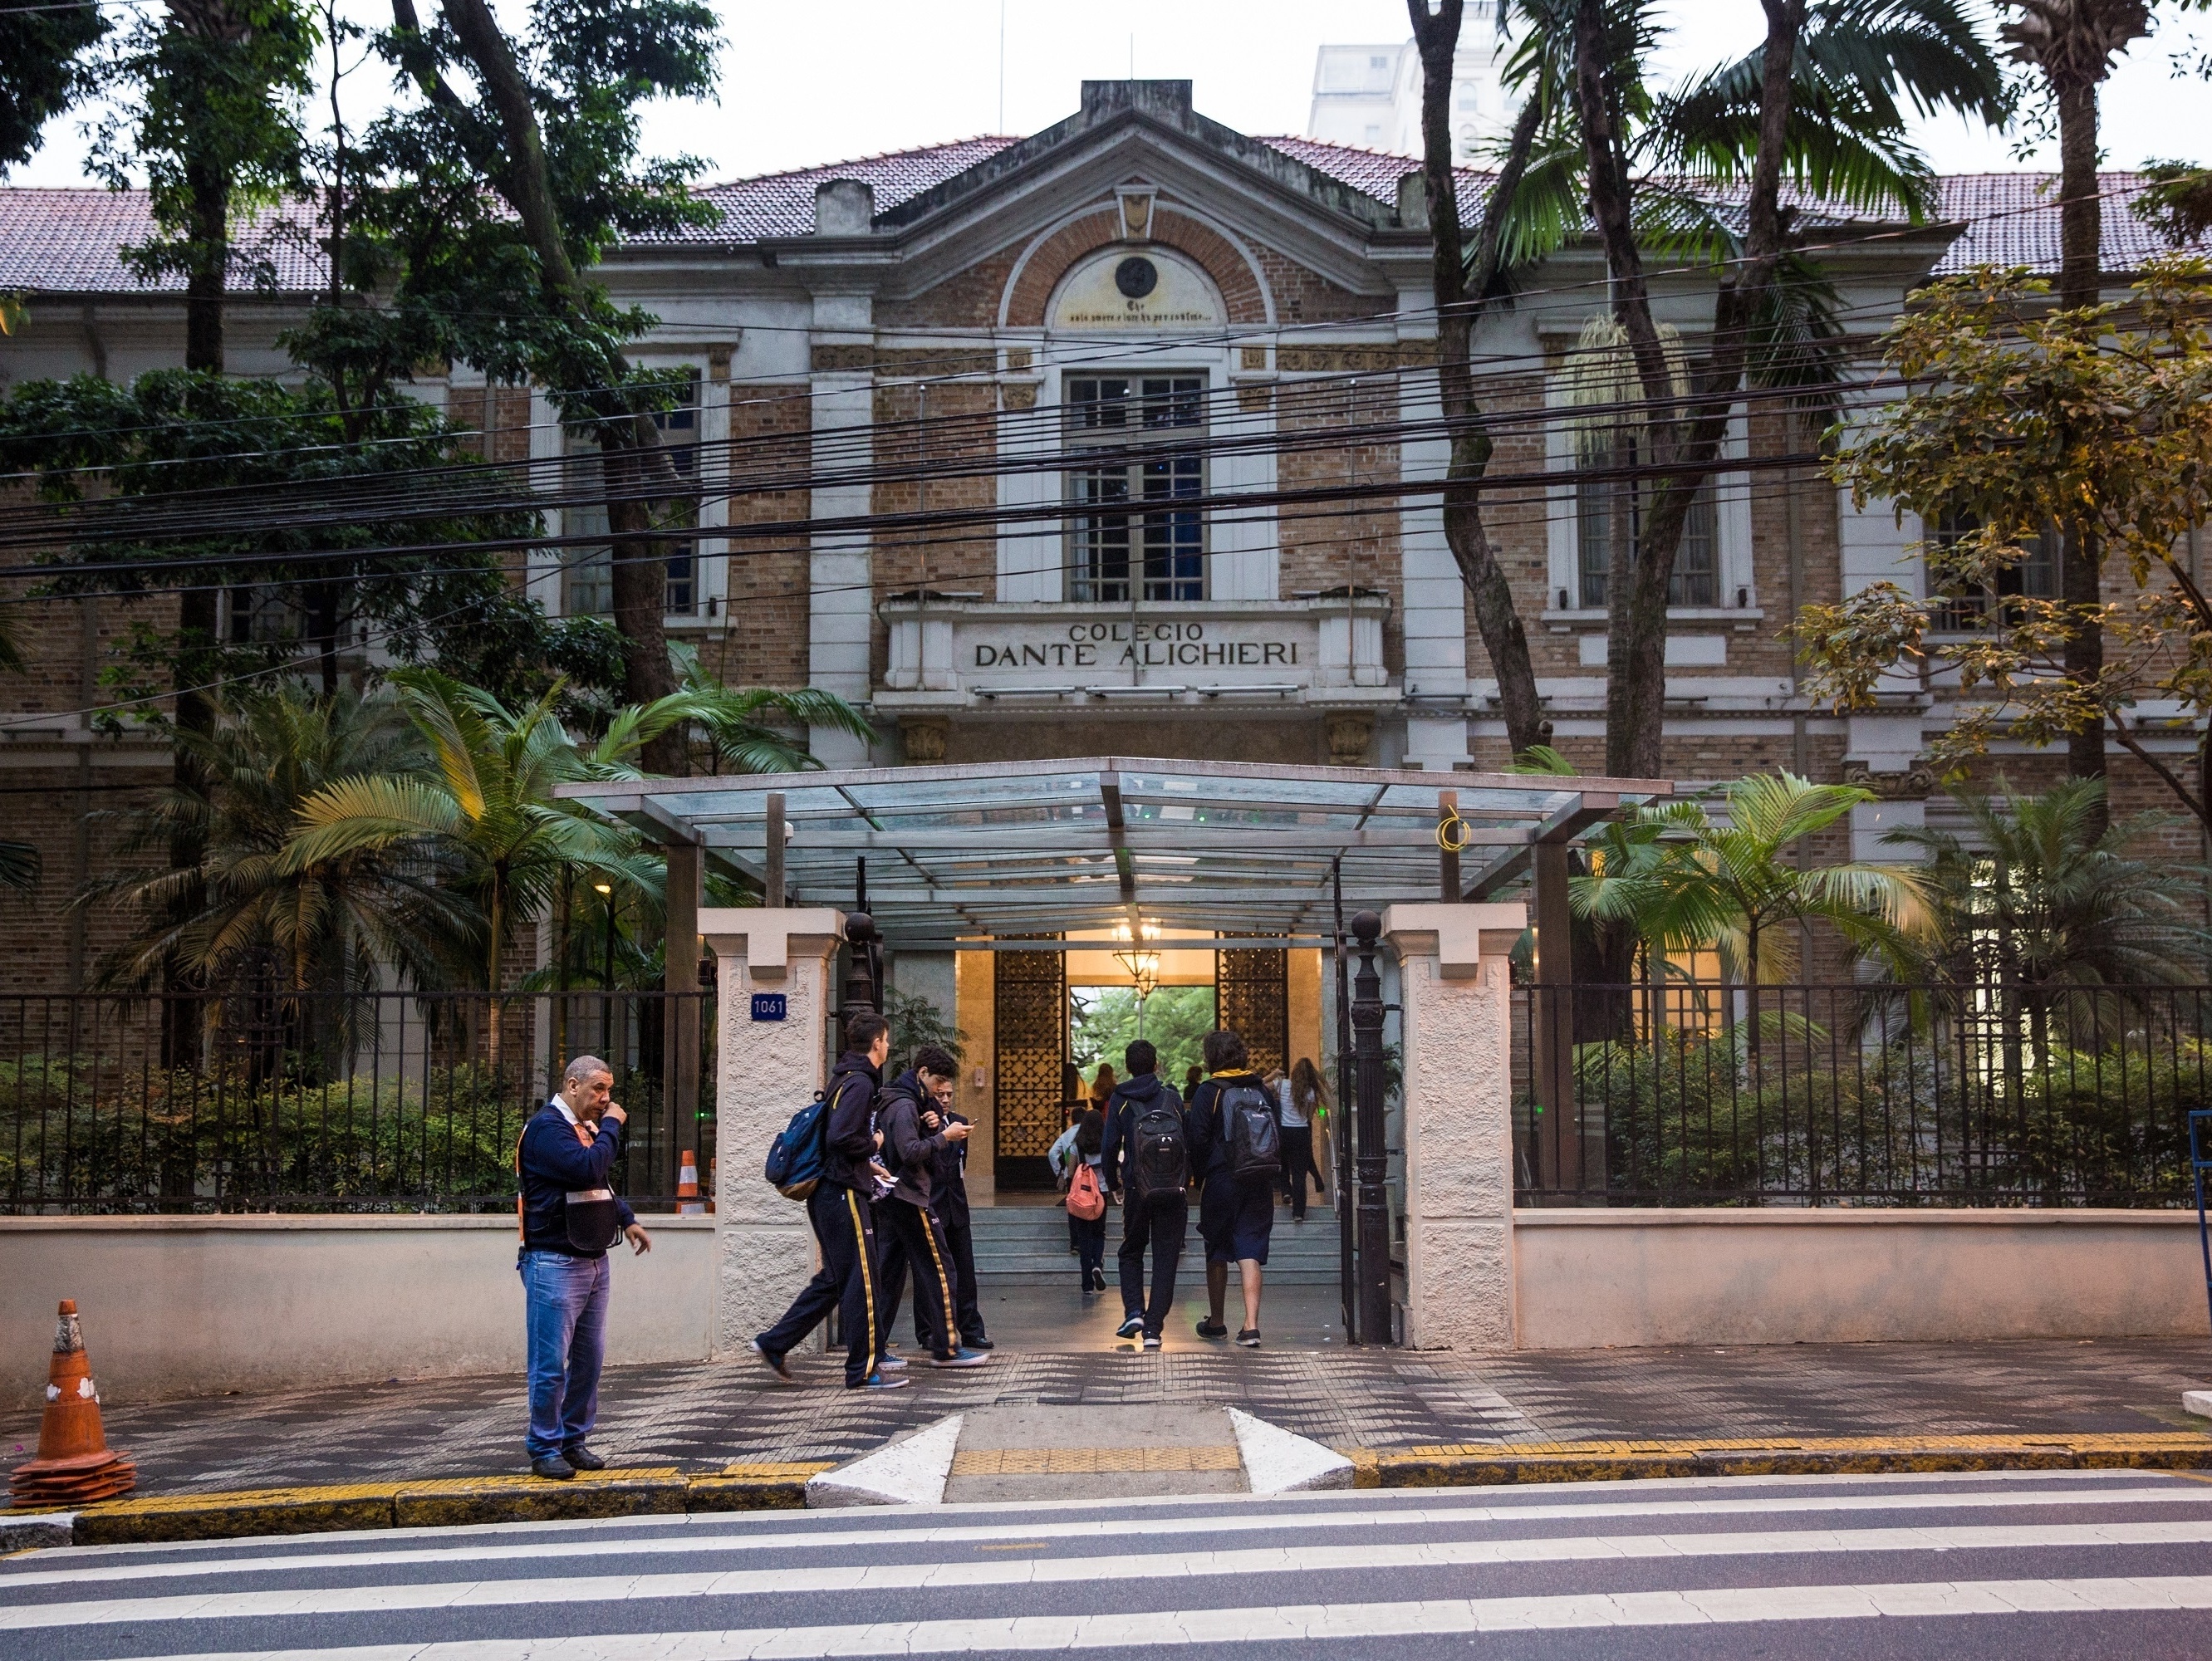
(841, 1210)
(569, 1217)
(907, 1222)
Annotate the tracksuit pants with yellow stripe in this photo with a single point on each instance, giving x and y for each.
(844, 1227)
(915, 1238)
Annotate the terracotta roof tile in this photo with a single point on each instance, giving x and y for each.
(71, 241)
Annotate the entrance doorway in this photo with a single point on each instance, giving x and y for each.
(1060, 1014)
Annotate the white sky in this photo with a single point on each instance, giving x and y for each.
(805, 83)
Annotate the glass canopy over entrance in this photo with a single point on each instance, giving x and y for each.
(1028, 848)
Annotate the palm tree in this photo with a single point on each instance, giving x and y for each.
(1698, 175)
(2042, 892)
(737, 720)
(482, 802)
(1738, 884)
(338, 920)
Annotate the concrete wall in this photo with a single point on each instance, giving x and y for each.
(1585, 1279)
(175, 1306)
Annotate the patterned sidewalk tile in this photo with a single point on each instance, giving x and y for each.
(701, 1415)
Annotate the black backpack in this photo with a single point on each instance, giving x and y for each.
(1159, 1153)
(1256, 1140)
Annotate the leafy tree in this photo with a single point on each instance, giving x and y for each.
(1820, 105)
(228, 446)
(243, 911)
(2096, 421)
(916, 1021)
(2073, 45)
(478, 216)
(2043, 893)
(1177, 1019)
(43, 65)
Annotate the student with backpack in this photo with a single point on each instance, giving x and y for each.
(840, 1206)
(1237, 1147)
(1078, 1159)
(1146, 1156)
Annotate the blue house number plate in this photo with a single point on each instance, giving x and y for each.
(768, 1006)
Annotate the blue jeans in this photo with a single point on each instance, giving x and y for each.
(566, 1298)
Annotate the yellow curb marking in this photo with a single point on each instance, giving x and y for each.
(1090, 1461)
(2099, 1442)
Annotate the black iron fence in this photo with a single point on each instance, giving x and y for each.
(1681, 1095)
(381, 1101)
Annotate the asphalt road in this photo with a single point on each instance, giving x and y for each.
(2010, 1566)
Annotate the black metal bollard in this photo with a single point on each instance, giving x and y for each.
(1374, 1165)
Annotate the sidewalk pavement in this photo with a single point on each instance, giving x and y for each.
(703, 1416)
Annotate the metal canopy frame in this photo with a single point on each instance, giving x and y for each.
(1013, 848)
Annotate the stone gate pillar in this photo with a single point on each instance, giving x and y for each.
(764, 1071)
(1456, 1027)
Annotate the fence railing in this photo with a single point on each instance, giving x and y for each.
(1681, 1095)
(380, 1102)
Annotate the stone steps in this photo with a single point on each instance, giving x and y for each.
(1028, 1244)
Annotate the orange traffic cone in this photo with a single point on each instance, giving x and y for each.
(75, 1465)
(688, 1204)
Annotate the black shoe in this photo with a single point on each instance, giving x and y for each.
(553, 1468)
(977, 1343)
(1097, 1280)
(1210, 1328)
(1249, 1337)
(583, 1458)
(1133, 1327)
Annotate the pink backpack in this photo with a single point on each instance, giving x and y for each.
(1084, 1198)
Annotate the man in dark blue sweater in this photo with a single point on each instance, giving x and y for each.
(569, 1217)
(841, 1210)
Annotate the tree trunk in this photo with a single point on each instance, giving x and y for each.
(1684, 433)
(1498, 619)
(2081, 229)
(639, 573)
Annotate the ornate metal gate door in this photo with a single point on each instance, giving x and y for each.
(1252, 997)
(1030, 1039)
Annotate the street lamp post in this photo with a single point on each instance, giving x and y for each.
(1374, 1256)
(606, 893)
(860, 993)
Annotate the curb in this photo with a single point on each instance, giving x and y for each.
(1492, 1463)
(439, 1502)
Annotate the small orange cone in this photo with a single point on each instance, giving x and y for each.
(75, 1465)
(688, 1204)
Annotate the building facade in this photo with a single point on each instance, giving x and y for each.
(1120, 437)
(1370, 97)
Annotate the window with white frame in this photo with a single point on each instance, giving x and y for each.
(588, 586)
(1135, 465)
(2034, 577)
(1611, 508)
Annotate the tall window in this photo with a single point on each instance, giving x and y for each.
(1126, 526)
(588, 589)
(2035, 578)
(1611, 514)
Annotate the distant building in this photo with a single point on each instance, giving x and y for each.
(1371, 96)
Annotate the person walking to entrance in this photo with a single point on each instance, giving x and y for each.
(1301, 1101)
(1082, 1148)
(568, 1217)
(1236, 1146)
(1146, 1156)
(842, 1215)
(914, 1230)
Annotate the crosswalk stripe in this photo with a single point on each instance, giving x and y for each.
(692, 1539)
(1291, 1623)
(1099, 1571)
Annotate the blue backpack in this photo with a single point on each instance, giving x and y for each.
(794, 1159)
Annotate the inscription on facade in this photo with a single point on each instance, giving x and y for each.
(1134, 645)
